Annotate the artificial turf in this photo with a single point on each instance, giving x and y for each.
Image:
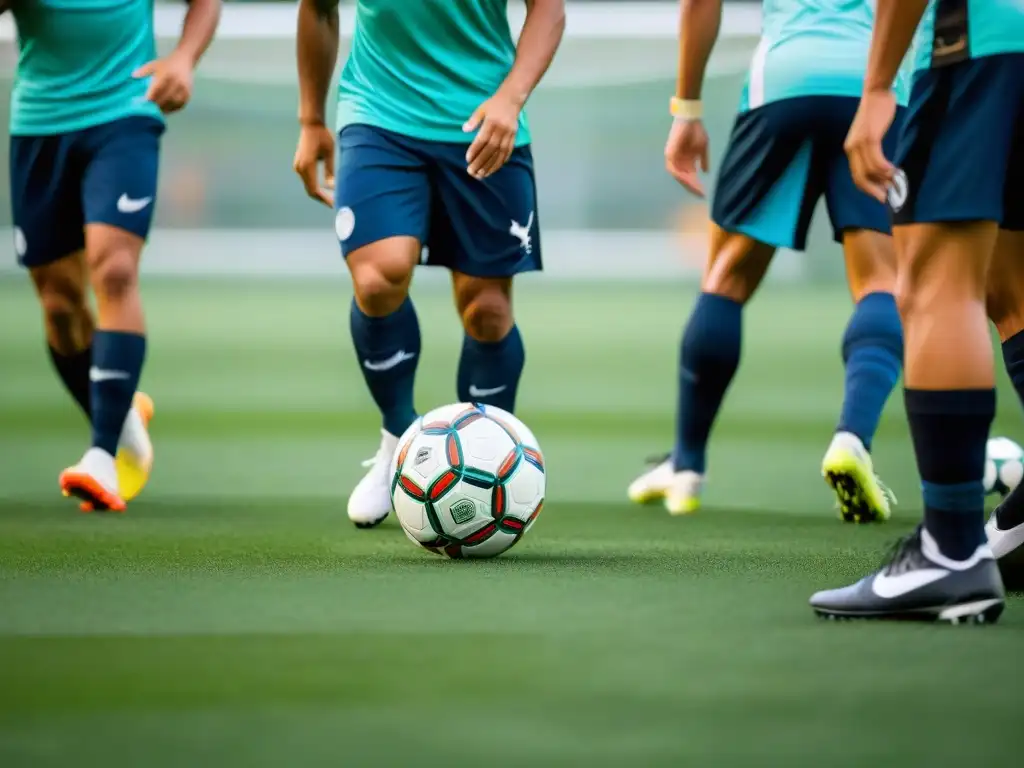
(235, 617)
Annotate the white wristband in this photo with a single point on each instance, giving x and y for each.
(686, 109)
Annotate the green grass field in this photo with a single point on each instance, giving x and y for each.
(234, 617)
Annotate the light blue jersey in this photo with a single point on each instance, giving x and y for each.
(75, 64)
(988, 27)
(813, 48)
(421, 67)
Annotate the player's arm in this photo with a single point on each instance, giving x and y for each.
(498, 117)
(316, 52)
(895, 24)
(687, 145)
(170, 84)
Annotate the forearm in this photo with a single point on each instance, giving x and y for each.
(316, 54)
(198, 29)
(699, 21)
(538, 43)
(895, 24)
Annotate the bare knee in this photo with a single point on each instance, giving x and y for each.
(737, 265)
(66, 314)
(381, 274)
(485, 307)
(870, 263)
(115, 275)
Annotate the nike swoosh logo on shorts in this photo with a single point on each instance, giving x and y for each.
(127, 204)
(388, 363)
(100, 374)
(888, 587)
(476, 392)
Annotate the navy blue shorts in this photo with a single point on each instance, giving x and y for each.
(782, 157)
(388, 185)
(961, 151)
(106, 174)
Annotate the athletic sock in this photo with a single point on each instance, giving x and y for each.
(949, 430)
(1013, 357)
(73, 370)
(489, 371)
(873, 355)
(708, 358)
(116, 366)
(388, 349)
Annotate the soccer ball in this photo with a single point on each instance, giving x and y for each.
(1004, 465)
(467, 480)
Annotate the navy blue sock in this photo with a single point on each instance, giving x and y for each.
(950, 429)
(1013, 357)
(708, 359)
(489, 371)
(873, 354)
(116, 366)
(73, 370)
(388, 349)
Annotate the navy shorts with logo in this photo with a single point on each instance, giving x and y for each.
(781, 159)
(389, 185)
(961, 151)
(106, 174)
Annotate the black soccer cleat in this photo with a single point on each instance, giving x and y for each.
(919, 583)
(1005, 528)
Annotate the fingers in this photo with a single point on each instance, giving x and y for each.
(500, 156)
(705, 160)
(486, 153)
(145, 70)
(309, 171)
(689, 179)
(474, 120)
(871, 171)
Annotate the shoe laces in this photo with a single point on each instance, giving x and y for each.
(904, 554)
(380, 459)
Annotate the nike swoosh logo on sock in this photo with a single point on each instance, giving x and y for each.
(476, 392)
(98, 375)
(388, 363)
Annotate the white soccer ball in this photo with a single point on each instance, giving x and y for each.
(1004, 465)
(467, 480)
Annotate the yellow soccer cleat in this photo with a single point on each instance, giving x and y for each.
(683, 494)
(848, 470)
(653, 483)
(135, 450)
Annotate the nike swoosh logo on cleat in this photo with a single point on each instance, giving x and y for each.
(388, 363)
(98, 375)
(127, 204)
(1003, 542)
(477, 392)
(888, 587)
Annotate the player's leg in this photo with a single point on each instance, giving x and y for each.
(763, 199)
(382, 200)
(1005, 302)
(119, 180)
(486, 232)
(872, 345)
(946, 215)
(493, 355)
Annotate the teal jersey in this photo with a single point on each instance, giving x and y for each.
(813, 48)
(75, 64)
(988, 28)
(421, 67)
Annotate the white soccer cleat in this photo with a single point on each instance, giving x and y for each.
(94, 481)
(370, 501)
(135, 449)
(652, 484)
(684, 492)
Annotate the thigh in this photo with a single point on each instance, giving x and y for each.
(46, 184)
(768, 185)
(488, 227)
(955, 146)
(119, 184)
(848, 207)
(381, 188)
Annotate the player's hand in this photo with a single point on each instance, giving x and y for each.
(498, 121)
(685, 151)
(170, 86)
(316, 149)
(872, 172)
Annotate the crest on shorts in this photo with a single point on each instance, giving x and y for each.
(899, 189)
(344, 223)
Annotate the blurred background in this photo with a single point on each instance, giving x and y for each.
(599, 121)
